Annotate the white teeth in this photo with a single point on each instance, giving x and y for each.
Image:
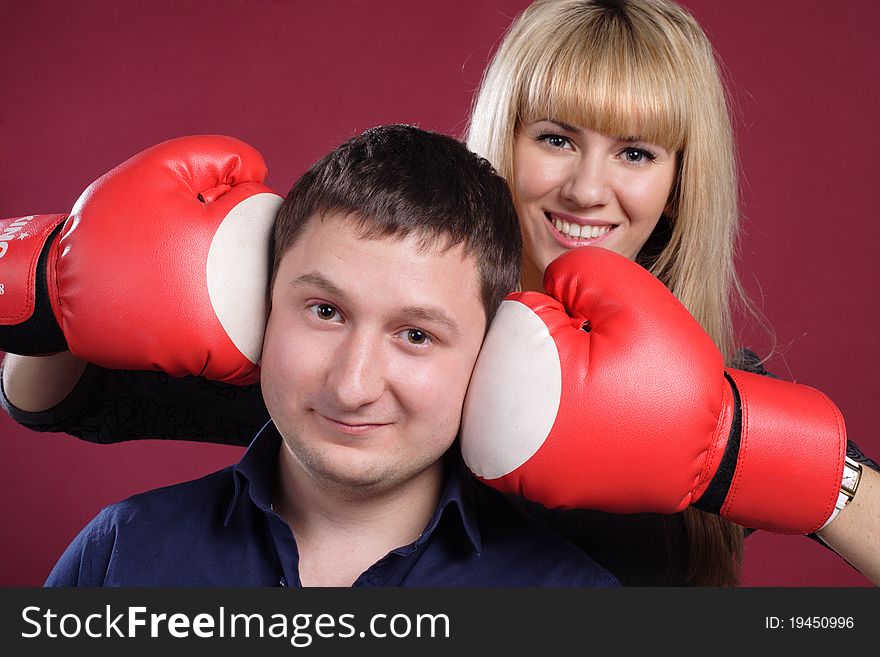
(578, 231)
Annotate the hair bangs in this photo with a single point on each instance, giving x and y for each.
(611, 83)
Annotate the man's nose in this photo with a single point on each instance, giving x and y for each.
(357, 375)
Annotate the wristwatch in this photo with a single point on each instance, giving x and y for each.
(852, 473)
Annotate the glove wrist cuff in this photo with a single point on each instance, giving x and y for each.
(790, 457)
(28, 324)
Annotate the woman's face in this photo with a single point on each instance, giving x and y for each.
(578, 187)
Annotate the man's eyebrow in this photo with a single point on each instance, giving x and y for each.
(431, 314)
(319, 280)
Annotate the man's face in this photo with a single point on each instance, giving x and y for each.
(368, 353)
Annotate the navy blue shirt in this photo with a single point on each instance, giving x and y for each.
(220, 530)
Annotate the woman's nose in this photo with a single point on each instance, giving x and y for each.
(587, 184)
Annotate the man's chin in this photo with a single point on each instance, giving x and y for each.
(362, 484)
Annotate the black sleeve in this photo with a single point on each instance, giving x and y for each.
(109, 406)
(856, 454)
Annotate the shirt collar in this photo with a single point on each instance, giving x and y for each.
(255, 473)
(458, 500)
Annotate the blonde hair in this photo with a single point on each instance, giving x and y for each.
(629, 67)
(637, 67)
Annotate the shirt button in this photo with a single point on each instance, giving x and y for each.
(282, 581)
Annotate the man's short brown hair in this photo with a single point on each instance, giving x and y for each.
(397, 180)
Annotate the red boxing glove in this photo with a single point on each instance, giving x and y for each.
(608, 395)
(162, 264)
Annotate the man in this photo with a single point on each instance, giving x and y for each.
(391, 255)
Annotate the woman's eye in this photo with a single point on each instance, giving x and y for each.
(638, 156)
(325, 311)
(556, 141)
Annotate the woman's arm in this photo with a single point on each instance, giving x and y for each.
(38, 383)
(63, 394)
(855, 533)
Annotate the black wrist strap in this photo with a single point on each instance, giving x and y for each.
(716, 492)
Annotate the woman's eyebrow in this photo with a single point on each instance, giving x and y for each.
(562, 124)
(573, 128)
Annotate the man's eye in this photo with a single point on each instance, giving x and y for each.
(416, 337)
(325, 311)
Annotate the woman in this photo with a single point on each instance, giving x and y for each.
(664, 224)
(611, 117)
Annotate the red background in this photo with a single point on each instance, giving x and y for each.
(85, 85)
